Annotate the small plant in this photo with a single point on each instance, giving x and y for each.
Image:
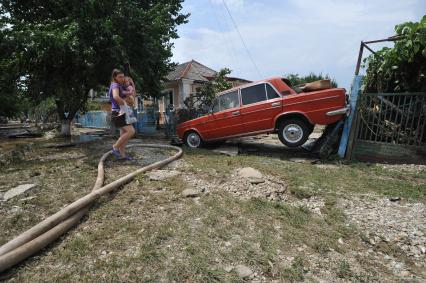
(344, 269)
(297, 270)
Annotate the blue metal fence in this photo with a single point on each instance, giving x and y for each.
(146, 124)
(93, 119)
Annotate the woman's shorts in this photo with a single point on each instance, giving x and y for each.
(118, 121)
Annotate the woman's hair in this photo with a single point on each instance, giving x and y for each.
(115, 73)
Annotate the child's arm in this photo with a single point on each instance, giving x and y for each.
(128, 91)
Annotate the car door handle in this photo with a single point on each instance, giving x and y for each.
(235, 113)
(276, 104)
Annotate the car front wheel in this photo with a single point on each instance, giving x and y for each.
(293, 132)
(193, 140)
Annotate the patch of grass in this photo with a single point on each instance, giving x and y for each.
(152, 234)
(296, 272)
(344, 270)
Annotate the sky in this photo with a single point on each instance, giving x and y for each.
(288, 36)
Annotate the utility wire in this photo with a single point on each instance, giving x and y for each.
(226, 43)
(241, 37)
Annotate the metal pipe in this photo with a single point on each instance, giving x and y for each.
(45, 232)
(358, 63)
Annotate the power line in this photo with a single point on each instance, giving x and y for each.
(241, 38)
(226, 43)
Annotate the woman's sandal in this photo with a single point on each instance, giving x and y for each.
(115, 152)
(127, 158)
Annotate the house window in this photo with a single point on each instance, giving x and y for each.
(253, 94)
(271, 92)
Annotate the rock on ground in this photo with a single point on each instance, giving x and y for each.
(191, 193)
(159, 175)
(243, 271)
(251, 174)
(17, 191)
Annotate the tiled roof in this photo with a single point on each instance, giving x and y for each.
(192, 70)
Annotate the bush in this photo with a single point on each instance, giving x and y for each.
(403, 67)
(296, 79)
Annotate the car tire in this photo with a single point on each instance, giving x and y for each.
(294, 132)
(193, 140)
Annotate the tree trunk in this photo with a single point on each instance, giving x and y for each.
(66, 128)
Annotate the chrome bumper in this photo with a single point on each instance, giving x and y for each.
(341, 111)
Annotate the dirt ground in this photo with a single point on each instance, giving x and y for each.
(300, 220)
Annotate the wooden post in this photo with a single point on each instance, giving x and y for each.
(348, 134)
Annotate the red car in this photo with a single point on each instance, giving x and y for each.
(269, 106)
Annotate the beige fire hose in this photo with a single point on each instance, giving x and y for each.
(48, 230)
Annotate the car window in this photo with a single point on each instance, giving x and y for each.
(253, 94)
(229, 100)
(216, 105)
(271, 92)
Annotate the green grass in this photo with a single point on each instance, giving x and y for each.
(147, 232)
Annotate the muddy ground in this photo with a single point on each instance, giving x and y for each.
(201, 220)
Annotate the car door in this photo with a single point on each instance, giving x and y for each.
(225, 121)
(260, 104)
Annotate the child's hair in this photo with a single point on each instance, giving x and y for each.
(130, 81)
(115, 73)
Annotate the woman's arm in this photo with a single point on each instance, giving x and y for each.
(116, 96)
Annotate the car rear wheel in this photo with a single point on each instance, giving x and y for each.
(293, 132)
(193, 140)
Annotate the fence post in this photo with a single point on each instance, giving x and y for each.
(348, 135)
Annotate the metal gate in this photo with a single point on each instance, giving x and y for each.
(391, 127)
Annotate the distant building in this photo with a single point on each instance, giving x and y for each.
(185, 80)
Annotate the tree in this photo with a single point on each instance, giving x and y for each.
(296, 79)
(204, 98)
(64, 48)
(403, 67)
(200, 102)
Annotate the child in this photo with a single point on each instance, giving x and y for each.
(129, 91)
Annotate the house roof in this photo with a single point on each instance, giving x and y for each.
(193, 70)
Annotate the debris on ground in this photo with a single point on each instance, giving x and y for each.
(17, 191)
(402, 224)
(227, 150)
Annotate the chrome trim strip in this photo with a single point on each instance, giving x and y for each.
(338, 111)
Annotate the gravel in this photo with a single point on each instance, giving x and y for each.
(400, 223)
